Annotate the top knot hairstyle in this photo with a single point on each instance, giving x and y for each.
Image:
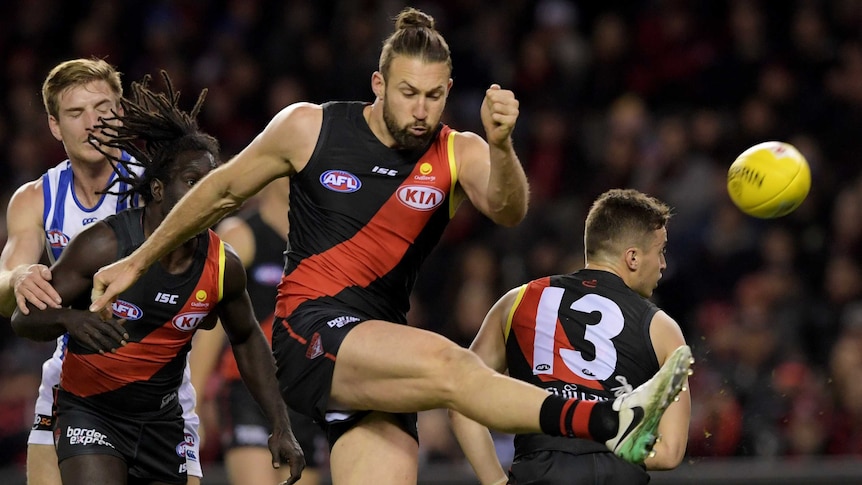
(154, 130)
(414, 36)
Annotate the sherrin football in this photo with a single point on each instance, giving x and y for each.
(770, 179)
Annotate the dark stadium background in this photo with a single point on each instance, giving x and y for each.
(657, 95)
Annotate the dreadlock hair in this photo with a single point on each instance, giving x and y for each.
(154, 130)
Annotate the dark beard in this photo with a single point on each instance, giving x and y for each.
(404, 140)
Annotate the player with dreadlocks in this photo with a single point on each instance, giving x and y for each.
(118, 416)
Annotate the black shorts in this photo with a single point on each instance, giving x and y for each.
(305, 346)
(153, 447)
(559, 467)
(246, 425)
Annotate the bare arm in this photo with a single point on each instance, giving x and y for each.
(280, 150)
(489, 172)
(257, 366)
(475, 439)
(666, 336)
(87, 252)
(22, 279)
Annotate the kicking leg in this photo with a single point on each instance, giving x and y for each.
(396, 368)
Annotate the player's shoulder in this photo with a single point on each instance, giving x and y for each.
(468, 140)
(298, 123)
(469, 147)
(298, 114)
(28, 196)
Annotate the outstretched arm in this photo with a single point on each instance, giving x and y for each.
(490, 172)
(475, 439)
(22, 279)
(87, 252)
(257, 366)
(280, 150)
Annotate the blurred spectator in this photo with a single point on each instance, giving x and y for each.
(659, 95)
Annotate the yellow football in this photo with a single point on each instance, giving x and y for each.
(770, 179)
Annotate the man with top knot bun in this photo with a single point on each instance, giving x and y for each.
(373, 186)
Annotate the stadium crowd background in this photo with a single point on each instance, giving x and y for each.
(659, 95)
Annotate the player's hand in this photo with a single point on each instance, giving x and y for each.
(285, 448)
(32, 284)
(109, 282)
(96, 333)
(499, 113)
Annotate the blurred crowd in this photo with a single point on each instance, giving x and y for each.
(658, 95)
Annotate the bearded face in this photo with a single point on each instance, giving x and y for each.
(410, 136)
(414, 96)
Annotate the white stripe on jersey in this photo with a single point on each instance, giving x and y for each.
(64, 216)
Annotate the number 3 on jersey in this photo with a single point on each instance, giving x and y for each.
(546, 343)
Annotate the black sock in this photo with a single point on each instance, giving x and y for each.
(558, 417)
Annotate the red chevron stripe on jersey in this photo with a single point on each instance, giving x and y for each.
(89, 374)
(382, 243)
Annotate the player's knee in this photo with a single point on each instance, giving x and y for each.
(454, 367)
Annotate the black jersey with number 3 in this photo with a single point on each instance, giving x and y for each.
(583, 335)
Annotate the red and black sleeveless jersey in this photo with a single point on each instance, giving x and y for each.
(583, 335)
(263, 275)
(364, 217)
(162, 312)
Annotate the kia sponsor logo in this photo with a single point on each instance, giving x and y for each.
(340, 181)
(187, 322)
(420, 198)
(124, 309)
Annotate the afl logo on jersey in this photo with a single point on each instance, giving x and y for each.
(57, 239)
(187, 322)
(340, 181)
(124, 309)
(420, 198)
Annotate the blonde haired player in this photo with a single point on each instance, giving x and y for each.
(48, 212)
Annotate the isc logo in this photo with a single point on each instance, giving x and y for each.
(187, 322)
(420, 197)
(166, 298)
(57, 239)
(340, 181)
(124, 309)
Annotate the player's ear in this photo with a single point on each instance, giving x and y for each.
(378, 84)
(632, 259)
(157, 189)
(54, 125)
